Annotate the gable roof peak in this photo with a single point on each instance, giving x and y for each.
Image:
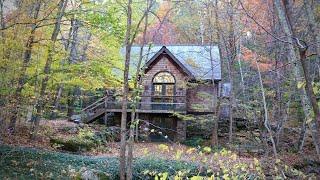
(203, 61)
(165, 50)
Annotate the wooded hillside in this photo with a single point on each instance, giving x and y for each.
(57, 57)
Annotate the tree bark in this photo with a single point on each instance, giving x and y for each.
(125, 94)
(313, 26)
(56, 102)
(136, 84)
(266, 117)
(310, 92)
(41, 102)
(216, 110)
(130, 147)
(2, 22)
(285, 24)
(22, 76)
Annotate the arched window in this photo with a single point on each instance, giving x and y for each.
(164, 84)
(163, 77)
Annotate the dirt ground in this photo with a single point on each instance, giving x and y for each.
(48, 128)
(173, 151)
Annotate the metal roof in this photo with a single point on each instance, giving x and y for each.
(194, 58)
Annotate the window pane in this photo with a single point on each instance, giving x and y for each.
(163, 77)
(157, 89)
(169, 89)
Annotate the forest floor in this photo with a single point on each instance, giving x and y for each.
(167, 151)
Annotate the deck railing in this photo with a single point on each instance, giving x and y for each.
(167, 106)
(149, 102)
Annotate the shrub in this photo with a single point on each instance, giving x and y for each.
(29, 163)
(194, 141)
(109, 134)
(149, 168)
(73, 144)
(84, 141)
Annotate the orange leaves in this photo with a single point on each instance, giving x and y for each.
(264, 63)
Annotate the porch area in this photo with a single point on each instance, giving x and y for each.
(149, 103)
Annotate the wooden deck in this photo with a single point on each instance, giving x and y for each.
(109, 104)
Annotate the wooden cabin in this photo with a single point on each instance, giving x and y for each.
(176, 79)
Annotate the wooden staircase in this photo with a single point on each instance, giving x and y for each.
(95, 110)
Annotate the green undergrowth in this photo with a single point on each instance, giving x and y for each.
(29, 163)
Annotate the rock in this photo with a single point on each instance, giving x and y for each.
(87, 174)
(75, 118)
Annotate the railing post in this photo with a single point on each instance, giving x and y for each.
(106, 102)
(105, 110)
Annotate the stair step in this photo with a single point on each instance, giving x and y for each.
(93, 117)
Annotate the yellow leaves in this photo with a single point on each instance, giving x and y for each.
(207, 150)
(163, 147)
(191, 150)
(225, 152)
(162, 176)
(145, 151)
(300, 84)
(233, 157)
(197, 178)
(178, 154)
(256, 161)
(226, 177)
(204, 160)
(316, 89)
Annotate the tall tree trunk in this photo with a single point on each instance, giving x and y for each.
(293, 59)
(125, 94)
(130, 147)
(266, 117)
(56, 102)
(70, 101)
(74, 44)
(47, 68)
(136, 84)
(309, 91)
(216, 110)
(230, 48)
(22, 76)
(313, 26)
(2, 22)
(66, 44)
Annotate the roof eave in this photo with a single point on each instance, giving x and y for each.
(166, 51)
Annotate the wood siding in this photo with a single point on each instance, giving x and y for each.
(163, 64)
(200, 98)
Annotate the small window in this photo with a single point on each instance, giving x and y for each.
(163, 77)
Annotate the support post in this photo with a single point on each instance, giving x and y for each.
(105, 118)
(181, 130)
(137, 128)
